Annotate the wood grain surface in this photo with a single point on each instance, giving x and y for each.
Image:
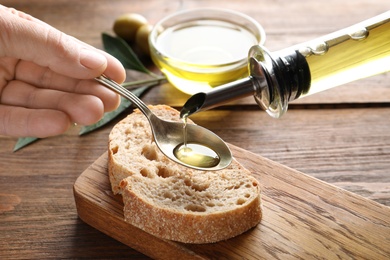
(340, 136)
(303, 218)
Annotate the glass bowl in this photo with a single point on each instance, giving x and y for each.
(200, 49)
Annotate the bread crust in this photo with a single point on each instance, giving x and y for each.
(174, 202)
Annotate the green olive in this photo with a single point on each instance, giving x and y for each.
(142, 38)
(126, 25)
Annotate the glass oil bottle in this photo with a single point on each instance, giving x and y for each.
(359, 51)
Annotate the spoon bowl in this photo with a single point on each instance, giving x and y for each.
(168, 134)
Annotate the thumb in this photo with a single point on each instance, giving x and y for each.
(26, 38)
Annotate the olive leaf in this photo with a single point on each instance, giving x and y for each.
(24, 141)
(121, 50)
(109, 116)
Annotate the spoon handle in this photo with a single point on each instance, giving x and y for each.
(109, 83)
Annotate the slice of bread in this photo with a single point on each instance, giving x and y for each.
(174, 202)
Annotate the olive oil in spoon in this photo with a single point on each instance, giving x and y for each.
(168, 135)
(193, 153)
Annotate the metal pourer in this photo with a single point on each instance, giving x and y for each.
(272, 81)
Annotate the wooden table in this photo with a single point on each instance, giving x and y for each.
(341, 136)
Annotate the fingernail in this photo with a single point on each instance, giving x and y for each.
(92, 59)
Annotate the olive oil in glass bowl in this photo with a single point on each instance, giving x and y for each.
(203, 48)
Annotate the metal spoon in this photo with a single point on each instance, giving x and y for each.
(168, 135)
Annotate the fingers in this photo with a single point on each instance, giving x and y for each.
(81, 109)
(114, 69)
(52, 84)
(23, 122)
(27, 38)
(44, 78)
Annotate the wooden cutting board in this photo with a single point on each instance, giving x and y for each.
(303, 218)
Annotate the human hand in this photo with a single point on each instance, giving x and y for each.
(47, 78)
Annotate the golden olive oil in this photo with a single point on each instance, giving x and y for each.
(358, 53)
(198, 55)
(195, 154)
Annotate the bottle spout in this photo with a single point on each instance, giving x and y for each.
(218, 96)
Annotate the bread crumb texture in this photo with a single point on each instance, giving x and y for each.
(174, 202)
